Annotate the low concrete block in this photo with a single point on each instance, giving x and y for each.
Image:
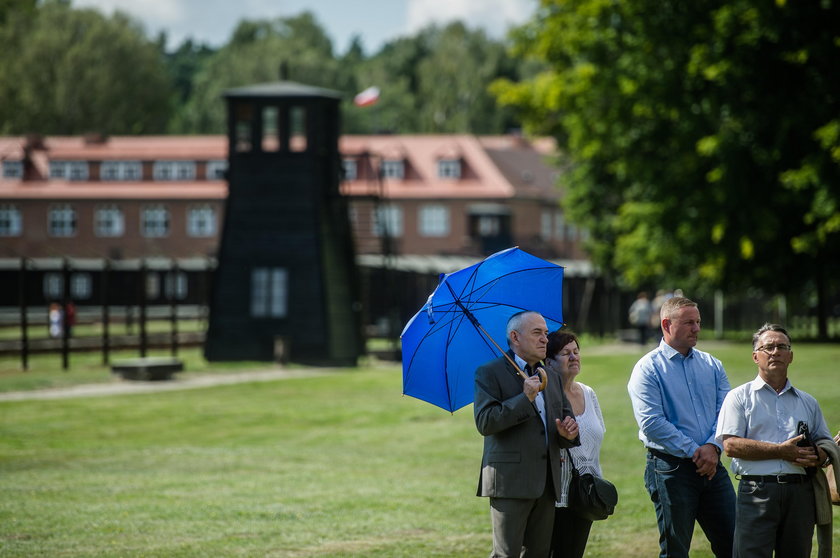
(148, 369)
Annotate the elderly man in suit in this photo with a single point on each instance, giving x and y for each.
(524, 430)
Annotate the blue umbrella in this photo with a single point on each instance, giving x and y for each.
(464, 320)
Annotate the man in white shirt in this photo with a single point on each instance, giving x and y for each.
(758, 427)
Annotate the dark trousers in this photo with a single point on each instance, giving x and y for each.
(773, 516)
(522, 527)
(680, 496)
(570, 534)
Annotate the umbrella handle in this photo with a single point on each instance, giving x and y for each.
(543, 377)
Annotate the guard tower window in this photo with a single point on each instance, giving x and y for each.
(449, 168)
(242, 128)
(297, 129)
(269, 292)
(393, 168)
(350, 169)
(270, 129)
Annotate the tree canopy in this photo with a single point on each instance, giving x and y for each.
(703, 136)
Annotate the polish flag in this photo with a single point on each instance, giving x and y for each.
(367, 97)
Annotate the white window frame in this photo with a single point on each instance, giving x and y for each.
(69, 170)
(12, 169)
(393, 169)
(216, 169)
(433, 221)
(53, 285)
(121, 171)
(11, 220)
(169, 171)
(546, 224)
(108, 221)
(175, 285)
(269, 292)
(201, 221)
(559, 226)
(351, 169)
(449, 168)
(81, 285)
(489, 225)
(155, 221)
(61, 221)
(388, 219)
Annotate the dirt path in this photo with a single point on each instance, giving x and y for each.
(126, 387)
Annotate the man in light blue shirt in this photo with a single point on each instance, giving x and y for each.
(759, 428)
(677, 392)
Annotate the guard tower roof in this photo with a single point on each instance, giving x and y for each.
(282, 89)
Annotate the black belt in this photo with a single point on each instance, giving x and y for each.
(781, 479)
(667, 456)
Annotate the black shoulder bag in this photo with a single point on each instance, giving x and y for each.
(590, 497)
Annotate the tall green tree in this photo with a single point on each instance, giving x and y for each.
(67, 71)
(703, 136)
(256, 53)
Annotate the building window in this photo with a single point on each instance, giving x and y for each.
(449, 168)
(393, 168)
(69, 170)
(350, 170)
(12, 169)
(174, 170)
(269, 292)
(201, 221)
(489, 225)
(121, 170)
(154, 221)
(61, 221)
(546, 224)
(434, 220)
(53, 285)
(108, 221)
(81, 286)
(388, 222)
(559, 226)
(216, 169)
(175, 285)
(11, 222)
(152, 285)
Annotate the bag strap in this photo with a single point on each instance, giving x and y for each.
(572, 461)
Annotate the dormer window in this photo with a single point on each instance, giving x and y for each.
(393, 168)
(12, 169)
(350, 169)
(69, 170)
(449, 168)
(174, 170)
(121, 170)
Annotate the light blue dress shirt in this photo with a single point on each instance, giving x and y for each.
(676, 399)
(755, 411)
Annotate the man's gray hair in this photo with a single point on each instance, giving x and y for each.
(515, 322)
(673, 304)
(769, 327)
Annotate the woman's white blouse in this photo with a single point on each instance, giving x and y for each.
(586, 455)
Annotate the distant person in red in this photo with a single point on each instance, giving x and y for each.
(70, 317)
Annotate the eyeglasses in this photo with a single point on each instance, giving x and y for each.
(771, 348)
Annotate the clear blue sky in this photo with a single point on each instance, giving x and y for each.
(375, 21)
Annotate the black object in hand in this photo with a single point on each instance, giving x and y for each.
(806, 442)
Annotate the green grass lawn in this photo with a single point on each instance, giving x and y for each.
(337, 465)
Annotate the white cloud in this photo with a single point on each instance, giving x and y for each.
(494, 16)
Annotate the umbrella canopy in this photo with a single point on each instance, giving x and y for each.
(443, 344)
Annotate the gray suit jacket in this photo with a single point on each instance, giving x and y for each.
(513, 464)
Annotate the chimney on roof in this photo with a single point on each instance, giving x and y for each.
(33, 142)
(95, 138)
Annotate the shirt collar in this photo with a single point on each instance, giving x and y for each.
(759, 384)
(670, 352)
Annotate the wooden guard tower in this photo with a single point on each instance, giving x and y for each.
(286, 284)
